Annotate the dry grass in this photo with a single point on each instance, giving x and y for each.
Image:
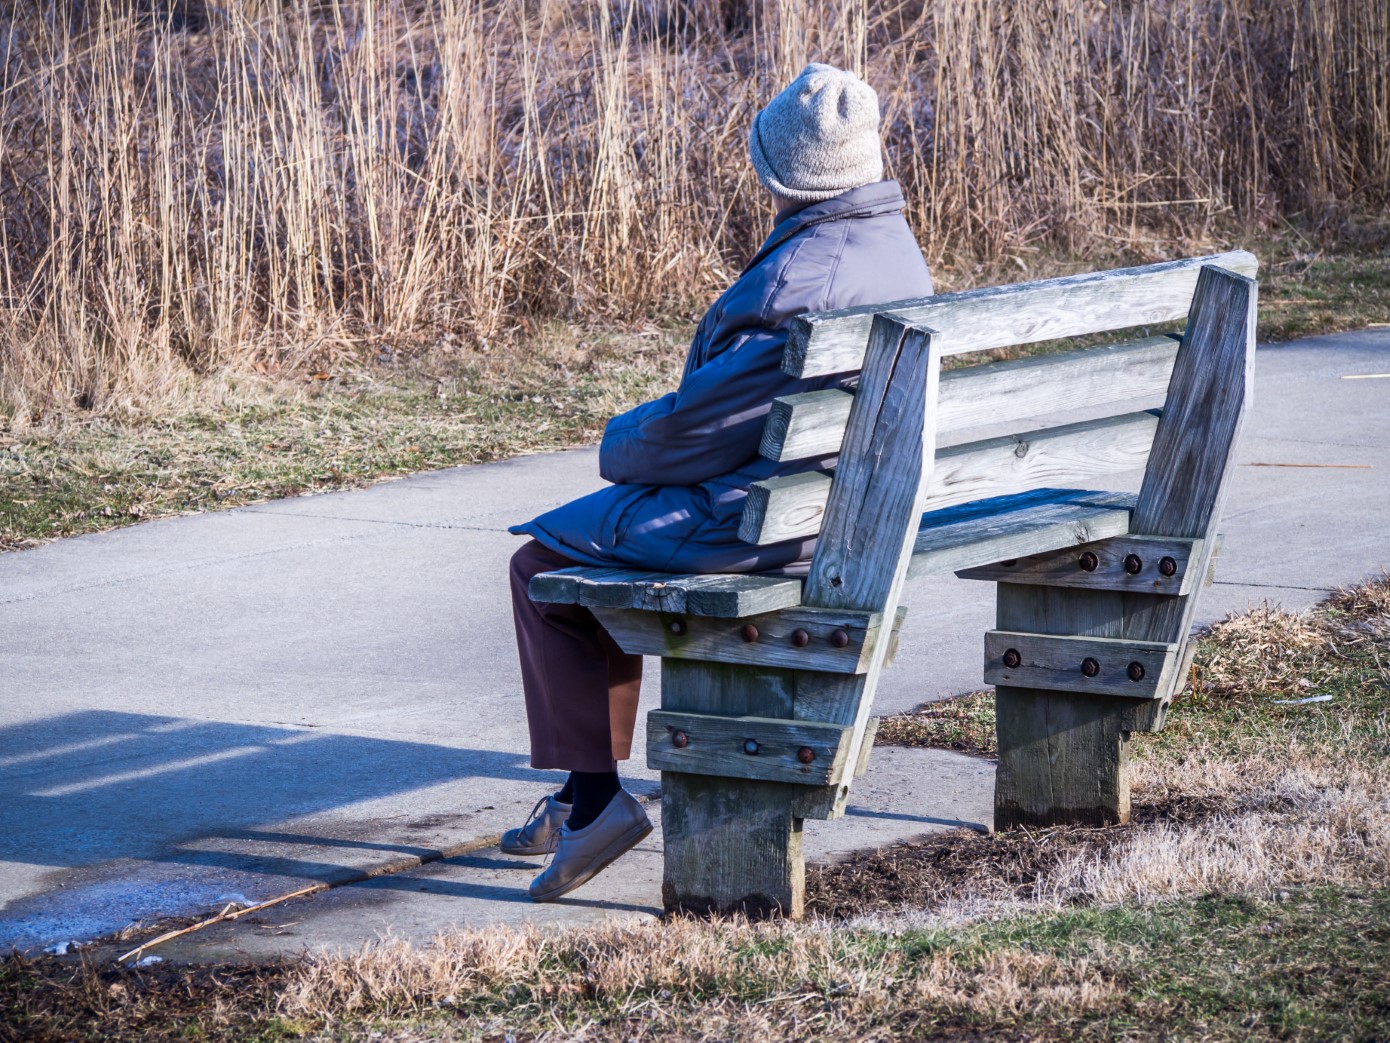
(964, 724)
(297, 185)
(1246, 901)
(262, 439)
(1305, 805)
(731, 968)
(1244, 792)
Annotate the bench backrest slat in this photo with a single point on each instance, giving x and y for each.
(794, 506)
(813, 424)
(1001, 316)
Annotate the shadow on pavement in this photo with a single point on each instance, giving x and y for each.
(82, 788)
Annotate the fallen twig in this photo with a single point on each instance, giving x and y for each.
(230, 912)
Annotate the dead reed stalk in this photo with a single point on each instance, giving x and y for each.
(295, 183)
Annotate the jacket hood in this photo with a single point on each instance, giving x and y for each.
(872, 200)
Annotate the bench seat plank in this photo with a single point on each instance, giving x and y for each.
(948, 540)
(812, 424)
(1011, 527)
(722, 596)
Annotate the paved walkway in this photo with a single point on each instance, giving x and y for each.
(246, 702)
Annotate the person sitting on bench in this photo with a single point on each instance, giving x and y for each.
(681, 465)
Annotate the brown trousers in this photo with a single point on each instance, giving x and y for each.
(581, 688)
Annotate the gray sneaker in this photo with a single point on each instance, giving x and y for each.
(584, 853)
(541, 832)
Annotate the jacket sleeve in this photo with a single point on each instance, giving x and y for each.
(709, 426)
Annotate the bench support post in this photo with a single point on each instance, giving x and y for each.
(1063, 755)
(731, 845)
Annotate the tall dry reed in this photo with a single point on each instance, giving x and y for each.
(299, 181)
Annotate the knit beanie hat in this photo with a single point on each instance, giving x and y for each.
(819, 137)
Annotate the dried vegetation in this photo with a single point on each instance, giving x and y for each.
(1245, 901)
(1301, 800)
(284, 187)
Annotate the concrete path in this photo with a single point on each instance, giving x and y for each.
(247, 702)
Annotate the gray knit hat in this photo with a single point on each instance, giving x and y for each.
(819, 137)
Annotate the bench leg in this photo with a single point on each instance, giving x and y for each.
(731, 845)
(1063, 759)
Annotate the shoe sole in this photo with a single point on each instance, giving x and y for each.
(525, 850)
(616, 850)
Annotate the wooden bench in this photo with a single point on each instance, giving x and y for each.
(768, 681)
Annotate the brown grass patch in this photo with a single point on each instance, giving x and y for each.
(1240, 794)
(964, 724)
(746, 978)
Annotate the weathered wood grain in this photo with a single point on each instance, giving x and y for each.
(721, 596)
(1064, 758)
(739, 596)
(1109, 564)
(724, 641)
(807, 753)
(730, 844)
(1015, 526)
(813, 424)
(1208, 391)
(871, 522)
(794, 506)
(784, 508)
(1049, 457)
(1194, 448)
(866, 747)
(1053, 663)
(1062, 755)
(1000, 316)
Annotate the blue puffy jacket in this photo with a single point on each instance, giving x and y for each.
(681, 465)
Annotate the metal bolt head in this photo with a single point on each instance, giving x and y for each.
(840, 638)
(751, 747)
(680, 740)
(1168, 566)
(1088, 561)
(1011, 658)
(1090, 667)
(800, 638)
(677, 627)
(749, 632)
(1134, 564)
(805, 755)
(1135, 671)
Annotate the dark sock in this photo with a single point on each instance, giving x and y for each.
(566, 794)
(592, 792)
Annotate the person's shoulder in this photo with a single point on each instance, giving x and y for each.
(843, 264)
